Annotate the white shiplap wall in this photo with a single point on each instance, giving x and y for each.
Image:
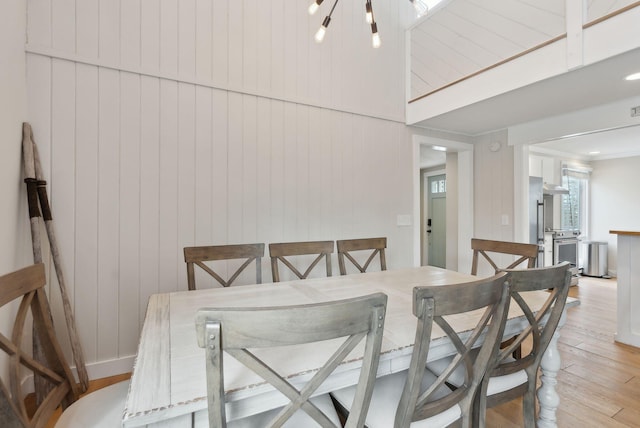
(163, 124)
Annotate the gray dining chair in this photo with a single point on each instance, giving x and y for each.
(282, 252)
(486, 249)
(489, 251)
(512, 378)
(370, 246)
(231, 332)
(200, 256)
(24, 289)
(418, 398)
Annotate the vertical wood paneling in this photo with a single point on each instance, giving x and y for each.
(234, 57)
(235, 173)
(355, 181)
(204, 39)
(250, 45)
(263, 54)
(109, 31)
(220, 53)
(169, 36)
(301, 161)
(290, 60)
(169, 149)
(62, 167)
(290, 167)
(277, 179)
(142, 166)
(250, 167)
(220, 166)
(129, 281)
(316, 175)
(108, 214)
(335, 141)
(87, 28)
(302, 51)
(150, 35)
(149, 189)
(263, 168)
(187, 38)
(324, 117)
(249, 194)
(186, 176)
(63, 26)
(130, 33)
(39, 116)
(203, 171)
(276, 47)
(86, 201)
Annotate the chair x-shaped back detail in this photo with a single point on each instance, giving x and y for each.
(280, 252)
(197, 256)
(542, 325)
(345, 246)
(526, 252)
(237, 330)
(431, 305)
(28, 283)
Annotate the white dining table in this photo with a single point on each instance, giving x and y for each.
(168, 386)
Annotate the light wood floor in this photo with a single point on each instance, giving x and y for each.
(599, 383)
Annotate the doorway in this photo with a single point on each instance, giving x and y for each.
(436, 223)
(457, 164)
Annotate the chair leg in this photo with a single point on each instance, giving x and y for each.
(479, 408)
(529, 406)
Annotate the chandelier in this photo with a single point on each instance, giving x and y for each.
(420, 6)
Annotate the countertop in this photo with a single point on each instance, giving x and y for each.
(624, 232)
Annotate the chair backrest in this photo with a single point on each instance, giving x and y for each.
(525, 252)
(280, 251)
(197, 256)
(346, 246)
(27, 285)
(234, 330)
(541, 325)
(431, 305)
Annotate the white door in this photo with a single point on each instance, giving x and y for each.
(436, 227)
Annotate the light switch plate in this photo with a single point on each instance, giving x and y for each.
(404, 220)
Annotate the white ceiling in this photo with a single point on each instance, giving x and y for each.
(595, 85)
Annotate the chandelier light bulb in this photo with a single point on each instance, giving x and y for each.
(375, 37)
(313, 8)
(320, 33)
(322, 30)
(369, 13)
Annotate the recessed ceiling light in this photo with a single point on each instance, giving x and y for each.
(439, 148)
(594, 153)
(634, 76)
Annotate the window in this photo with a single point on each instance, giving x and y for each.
(439, 186)
(574, 205)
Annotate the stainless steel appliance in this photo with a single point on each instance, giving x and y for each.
(565, 249)
(564, 242)
(541, 199)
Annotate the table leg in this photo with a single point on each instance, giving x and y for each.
(547, 396)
